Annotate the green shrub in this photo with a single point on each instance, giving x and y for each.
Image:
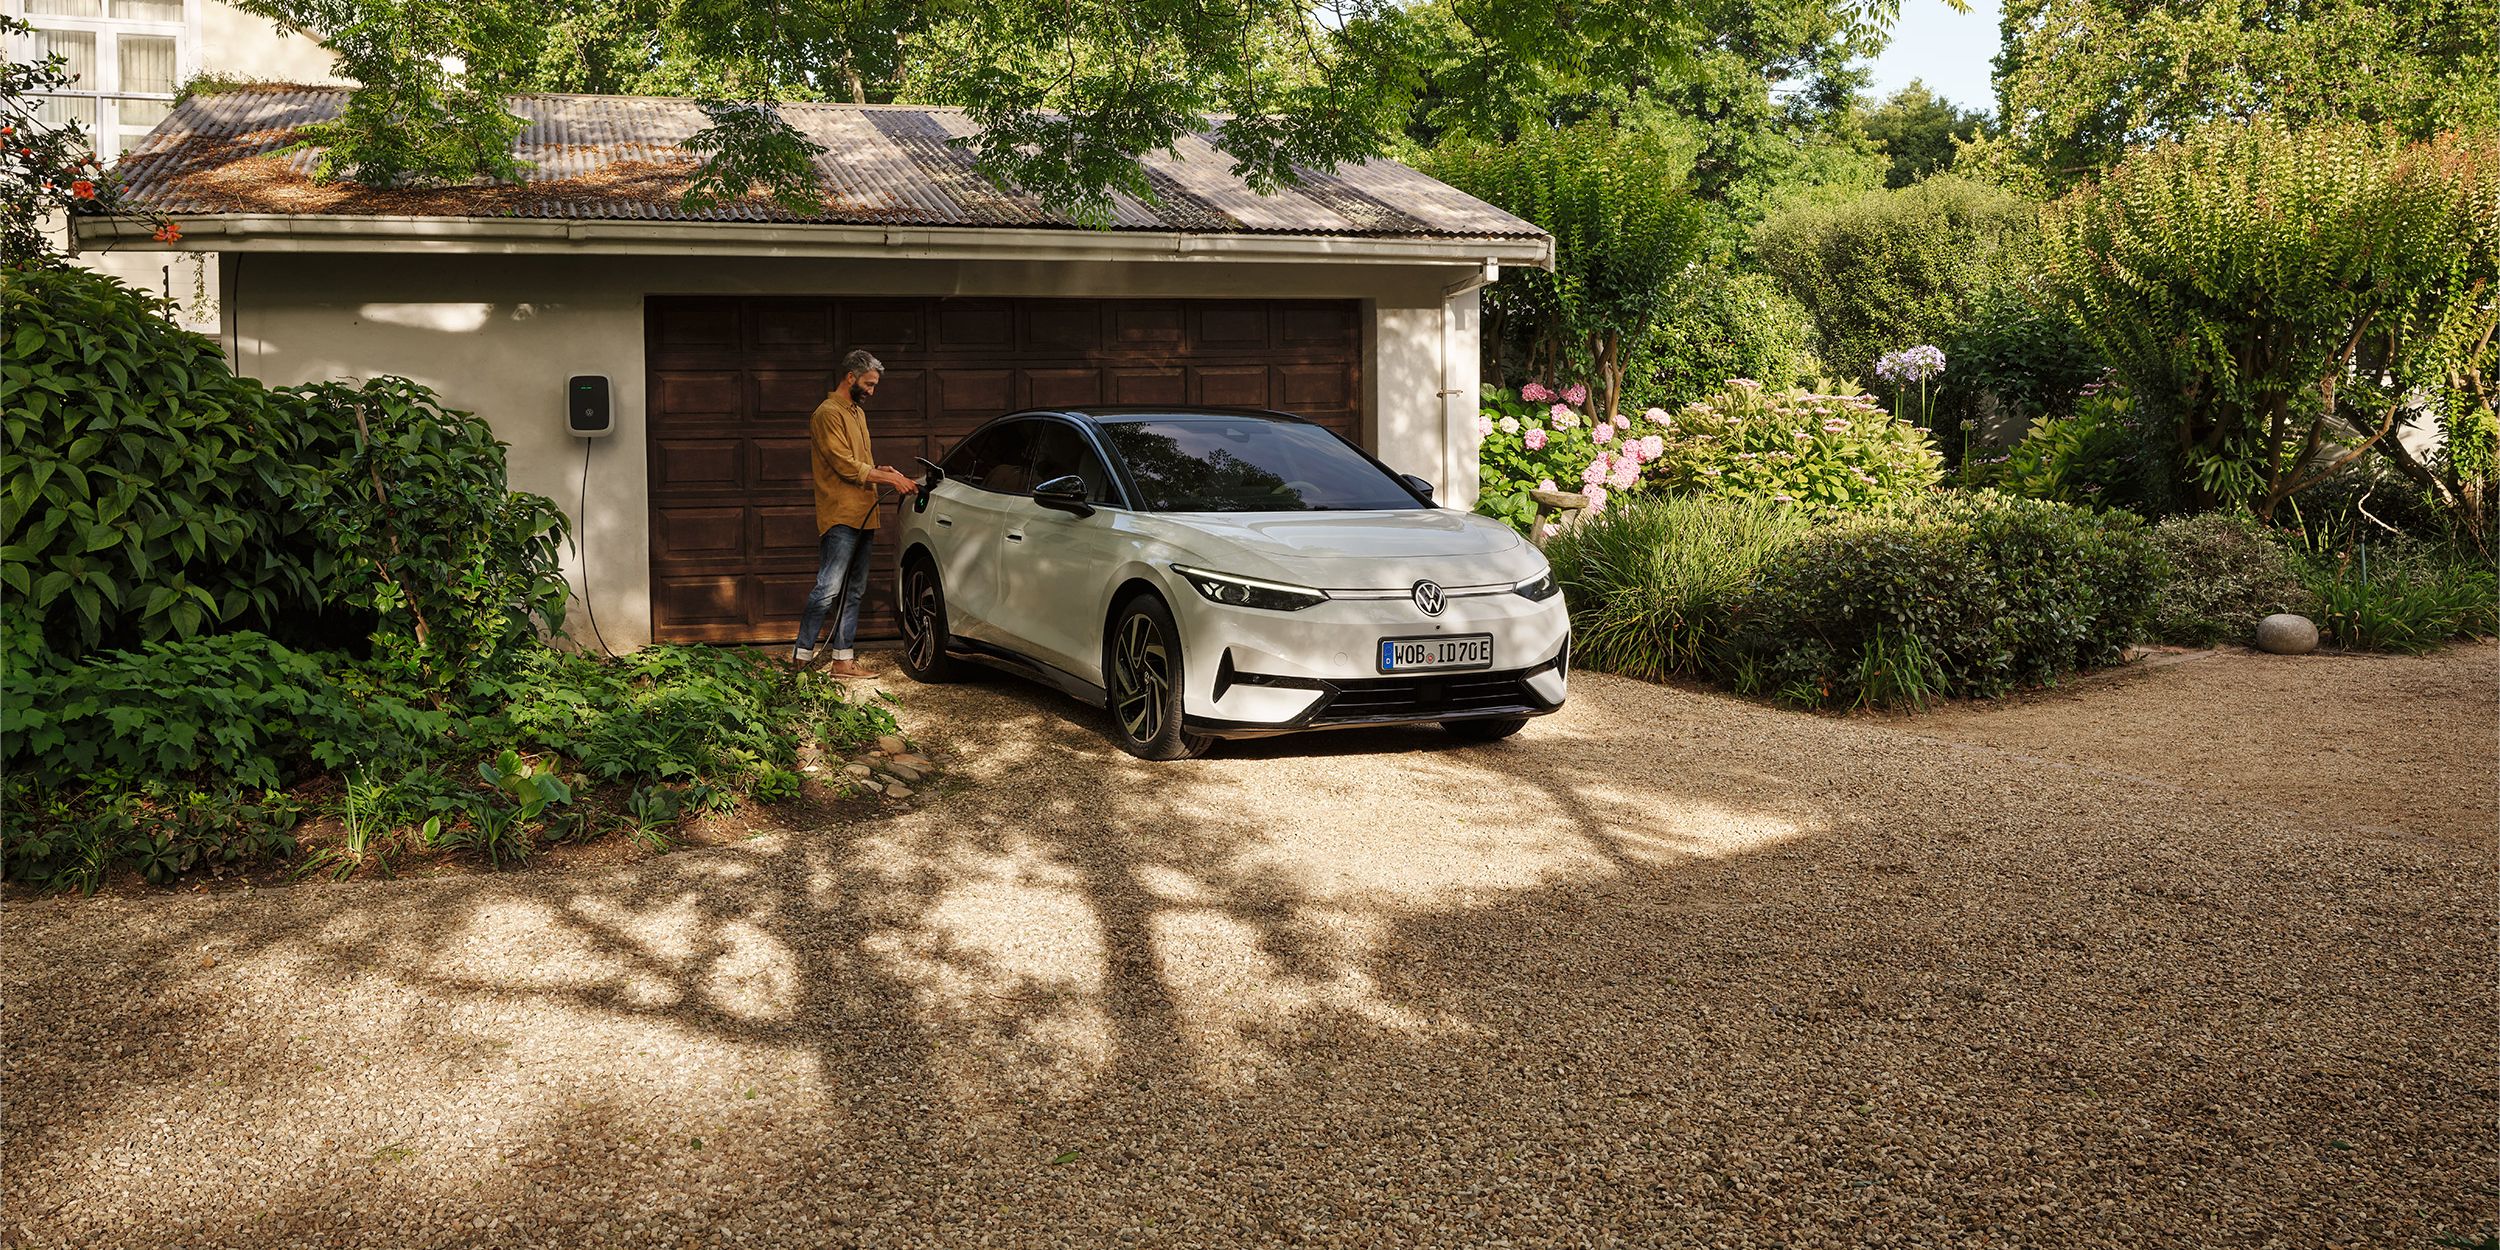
(237, 708)
(1832, 451)
(2094, 457)
(2020, 350)
(415, 523)
(1651, 584)
(1969, 597)
(2400, 596)
(148, 491)
(160, 830)
(2226, 572)
(1537, 438)
(1718, 326)
(1894, 268)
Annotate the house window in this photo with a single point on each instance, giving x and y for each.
(129, 55)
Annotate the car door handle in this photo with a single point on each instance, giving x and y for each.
(1015, 536)
(945, 520)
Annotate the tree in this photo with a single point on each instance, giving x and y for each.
(1918, 131)
(1891, 269)
(45, 170)
(1070, 93)
(2287, 300)
(2081, 82)
(1625, 230)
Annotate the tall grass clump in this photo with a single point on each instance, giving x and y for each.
(1651, 584)
(2399, 595)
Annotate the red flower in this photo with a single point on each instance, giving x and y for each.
(170, 232)
(6, 131)
(83, 189)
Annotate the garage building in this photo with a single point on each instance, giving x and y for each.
(1351, 299)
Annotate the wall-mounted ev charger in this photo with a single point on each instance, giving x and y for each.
(586, 410)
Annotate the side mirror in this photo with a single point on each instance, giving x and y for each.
(1064, 494)
(1420, 486)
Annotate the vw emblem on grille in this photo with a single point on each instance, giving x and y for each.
(1428, 598)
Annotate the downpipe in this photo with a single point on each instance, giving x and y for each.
(1490, 273)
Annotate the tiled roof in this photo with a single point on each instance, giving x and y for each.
(622, 158)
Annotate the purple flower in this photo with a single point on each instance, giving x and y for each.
(1536, 440)
(1535, 393)
(1575, 394)
(1912, 364)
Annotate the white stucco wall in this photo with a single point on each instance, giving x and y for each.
(235, 43)
(499, 335)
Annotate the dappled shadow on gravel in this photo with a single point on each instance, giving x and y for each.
(1666, 968)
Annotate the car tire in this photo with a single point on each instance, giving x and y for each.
(1142, 679)
(1489, 730)
(921, 604)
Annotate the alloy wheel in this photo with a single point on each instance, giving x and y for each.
(1142, 668)
(920, 619)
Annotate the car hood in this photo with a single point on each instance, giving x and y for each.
(1354, 550)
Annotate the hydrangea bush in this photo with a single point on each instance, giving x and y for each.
(1543, 438)
(1795, 446)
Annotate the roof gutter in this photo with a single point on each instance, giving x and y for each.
(277, 232)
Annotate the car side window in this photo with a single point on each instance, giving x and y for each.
(1059, 450)
(997, 458)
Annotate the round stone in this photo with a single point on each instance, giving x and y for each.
(2287, 633)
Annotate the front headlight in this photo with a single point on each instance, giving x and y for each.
(1539, 588)
(1249, 592)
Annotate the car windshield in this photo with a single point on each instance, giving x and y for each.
(1249, 464)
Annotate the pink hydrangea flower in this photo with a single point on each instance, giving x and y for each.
(1657, 416)
(1546, 484)
(1597, 499)
(1626, 473)
(1623, 420)
(1602, 432)
(1575, 395)
(1630, 449)
(1564, 417)
(1784, 498)
(1484, 425)
(1535, 393)
(1653, 447)
(1595, 473)
(1510, 425)
(1536, 440)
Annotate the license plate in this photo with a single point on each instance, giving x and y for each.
(1401, 655)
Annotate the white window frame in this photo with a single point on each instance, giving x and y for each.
(112, 138)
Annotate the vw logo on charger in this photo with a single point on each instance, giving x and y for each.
(1428, 598)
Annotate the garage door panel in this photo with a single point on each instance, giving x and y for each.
(881, 325)
(1238, 386)
(697, 464)
(1061, 328)
(1149, 386)
(1055, 388)
(1311, 388)
(1232, 327)
(976, 393)
(780, 393)
(700, 534)
(732, 381)
(794, 324)
(782, 465)
(696, 395)
(975, 325)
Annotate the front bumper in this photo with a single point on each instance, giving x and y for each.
(1252, 673)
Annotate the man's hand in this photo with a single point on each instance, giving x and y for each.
(901, 484)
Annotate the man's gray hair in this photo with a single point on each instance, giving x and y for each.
(859, 361)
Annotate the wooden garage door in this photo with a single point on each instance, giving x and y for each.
(733, 379)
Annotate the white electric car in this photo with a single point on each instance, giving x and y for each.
(1210, 573)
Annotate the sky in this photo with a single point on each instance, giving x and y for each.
(1949, 51)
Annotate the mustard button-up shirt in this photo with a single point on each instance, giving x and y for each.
(838, 439)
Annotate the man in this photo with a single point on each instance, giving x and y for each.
(847, 478)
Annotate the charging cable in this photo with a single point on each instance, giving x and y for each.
(581, 532)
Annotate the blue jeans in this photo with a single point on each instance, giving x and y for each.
(841, 571)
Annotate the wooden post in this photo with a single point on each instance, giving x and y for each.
(1562, 505)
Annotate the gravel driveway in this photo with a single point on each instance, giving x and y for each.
(1668, 969)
